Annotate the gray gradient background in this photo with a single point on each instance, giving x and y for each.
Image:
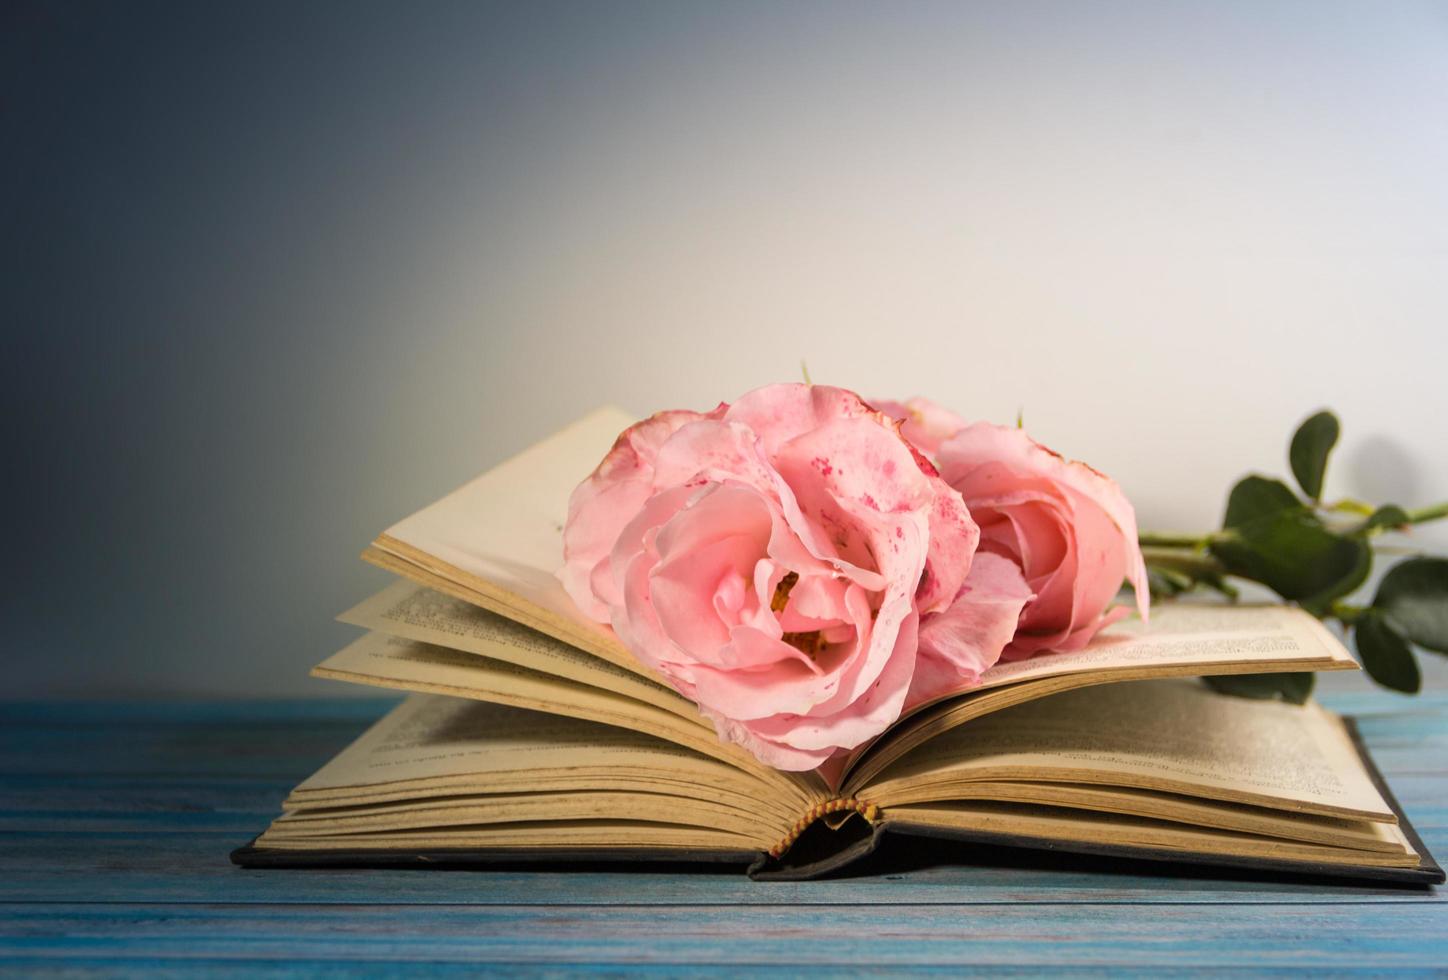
(278, 274)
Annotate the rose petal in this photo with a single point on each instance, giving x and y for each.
(780, 413)
(601, 505)
(693, 523)
(682, 587)
(923, 422)
(954, 538)
(984, 442)
(771, 753)
(961, 643)
(863, 718)
(752, 650)
(816, 602)
(712, 451)
(788, 688)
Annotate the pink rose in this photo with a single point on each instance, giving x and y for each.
(778, 560)
(923, 422)
(1069, 529)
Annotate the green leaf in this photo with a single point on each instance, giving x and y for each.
(1386, 656)
(1388, 515)
(1354, 575)
(1311, 443)
(1256, 497)
(1294, 554)
(1413, 598)
(1292, 688)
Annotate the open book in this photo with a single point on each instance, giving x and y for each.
(533, 734)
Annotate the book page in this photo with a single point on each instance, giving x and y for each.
(428, 736)
(394, 662)
(506, 808)
(1188, 634)
(508, 756)
(563, 836)
(498, 540)
(418, 613)
(1366, 835)
(1055, 827)
(1182, 640)
(601, 793)
(1172, 735)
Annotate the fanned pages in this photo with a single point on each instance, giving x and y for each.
(418, 613)
(498, 540)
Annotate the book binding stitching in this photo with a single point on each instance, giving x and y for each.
(850, 804)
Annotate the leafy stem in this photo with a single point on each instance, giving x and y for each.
(1315, 553)
(1188, 562)
(1425, 514)
(1151, 539)
(1347, 613)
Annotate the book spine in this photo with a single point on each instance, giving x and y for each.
(868, 810)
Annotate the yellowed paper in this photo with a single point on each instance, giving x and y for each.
(428, 736)
(500, 537)
(418, 613)
(1175, 808)
(1053, 825)
(1181, 641)
(502, 808)
(393, 662)
(561, 835)
(1174, 735)
(1185, 635)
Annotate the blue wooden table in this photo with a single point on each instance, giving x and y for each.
(117, 820)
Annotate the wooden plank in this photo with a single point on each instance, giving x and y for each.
(124, 794)
(158, 969)
(1381, 938)
(192, 867)
(133, 808)
(1377, 700)
(164, 833)
(280, 740)
(109, 804)
(289, 750)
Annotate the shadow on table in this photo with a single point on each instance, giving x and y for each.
(901, 857)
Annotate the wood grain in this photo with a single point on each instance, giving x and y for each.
(116, 820)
